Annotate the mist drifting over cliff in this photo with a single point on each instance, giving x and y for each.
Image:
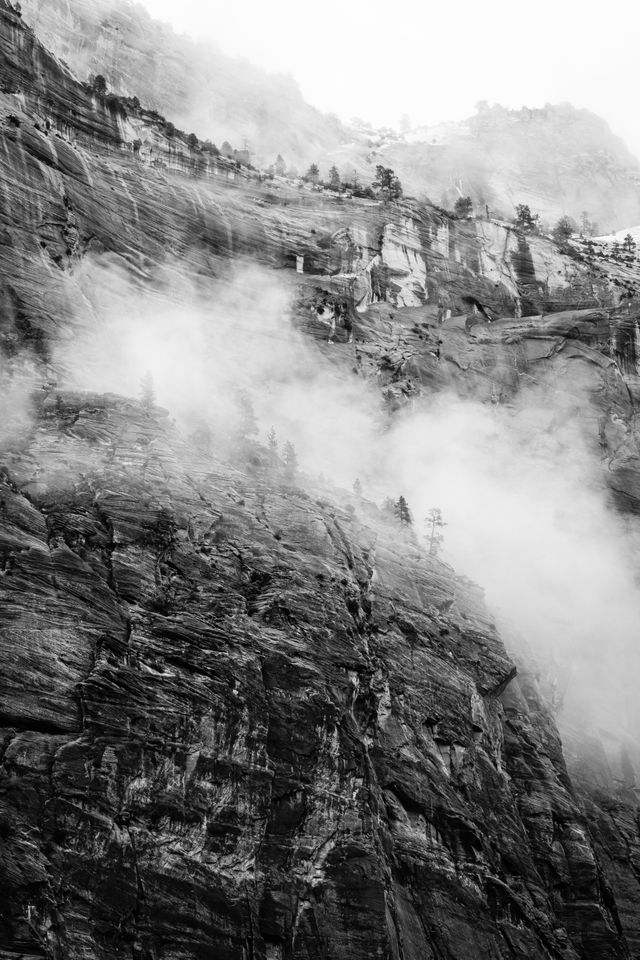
(245, 711)
(521, 486)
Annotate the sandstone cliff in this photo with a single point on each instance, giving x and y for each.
(243, 720)
(245, 714)
(196, 86)
(557, 159)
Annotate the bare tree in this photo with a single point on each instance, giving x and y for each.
(434, 524)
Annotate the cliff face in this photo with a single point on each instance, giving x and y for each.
(557, 159)
(240, 719)
(196, 86)
(243, 716)
(83, 177)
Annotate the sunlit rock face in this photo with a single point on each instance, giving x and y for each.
(243, 714)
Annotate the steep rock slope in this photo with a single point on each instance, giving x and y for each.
(557, 159)
(195, 85)
(83, 177)
(261, 724)
(241, 717)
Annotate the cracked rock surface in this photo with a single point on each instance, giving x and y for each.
(242, 718)
(243, 721)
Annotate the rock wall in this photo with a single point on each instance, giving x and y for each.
(243, 721)
(241, 718)
(103, 178)
(193, 84)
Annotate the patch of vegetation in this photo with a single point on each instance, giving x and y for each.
(463, 207)
(525, 219)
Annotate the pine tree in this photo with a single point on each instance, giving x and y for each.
(434, 523)
(629, 244)
(387, 182)
(290, 459)
(313, 173)
(334, 178)
(524, 218)
(357, 487)
(563, 230)
(587, 228)
(99, 85)
(463, 207)
(402, 512)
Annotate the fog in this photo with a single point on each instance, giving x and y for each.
(529, 519)
(18, 381)
(436, 62)
(521, 488)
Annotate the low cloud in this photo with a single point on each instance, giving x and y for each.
(522, 488)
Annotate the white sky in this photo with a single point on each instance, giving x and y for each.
(434, 61)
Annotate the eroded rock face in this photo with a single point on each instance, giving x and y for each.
(83, 177)
(195, 85)
(557, 159)
(243, 720)
(240, 719)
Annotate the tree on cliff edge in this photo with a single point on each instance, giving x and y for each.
(290, 460)
(587, 227)
(463, 207)
(563, 230)
(313, 173)
(387, 182)
(98, 85)
(402, 512)
(524, 218)
(434, 524)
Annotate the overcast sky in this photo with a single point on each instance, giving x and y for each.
(380, 60)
